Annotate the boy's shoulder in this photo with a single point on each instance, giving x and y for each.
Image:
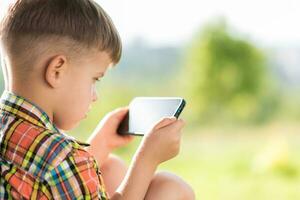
(34, 148)
(31, 142)
(47, 161)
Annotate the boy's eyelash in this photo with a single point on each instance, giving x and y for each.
(97, 79)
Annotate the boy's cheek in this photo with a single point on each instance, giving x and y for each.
(73, 107)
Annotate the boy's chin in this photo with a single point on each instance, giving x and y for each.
(68, 126)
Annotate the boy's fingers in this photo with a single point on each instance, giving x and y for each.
(120, 112)
(129, 137)
(177, 125)
(164, 122)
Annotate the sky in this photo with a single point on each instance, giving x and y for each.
(172, 22)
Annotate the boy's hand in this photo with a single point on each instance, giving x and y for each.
(107, 129)
(162, 142)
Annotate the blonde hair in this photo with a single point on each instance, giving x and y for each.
(32, 23)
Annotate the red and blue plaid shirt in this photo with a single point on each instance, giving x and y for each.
(38, 161)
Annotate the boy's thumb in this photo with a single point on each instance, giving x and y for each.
(164, 122)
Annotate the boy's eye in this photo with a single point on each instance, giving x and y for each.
(97, 79)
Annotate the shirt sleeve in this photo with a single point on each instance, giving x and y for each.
(77, 177)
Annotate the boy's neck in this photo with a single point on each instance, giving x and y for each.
(38, 99)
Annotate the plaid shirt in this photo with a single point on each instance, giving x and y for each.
(38, 161)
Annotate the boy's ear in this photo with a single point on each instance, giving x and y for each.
(55, 70)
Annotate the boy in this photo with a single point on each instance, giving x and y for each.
(54, 51)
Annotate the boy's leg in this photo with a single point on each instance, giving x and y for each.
(163, 186)
(113, 172)
(169, 186)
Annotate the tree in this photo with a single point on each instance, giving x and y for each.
(227, 76)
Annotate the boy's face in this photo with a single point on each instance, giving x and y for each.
(79, 89)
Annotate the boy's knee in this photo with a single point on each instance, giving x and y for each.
(168, 182)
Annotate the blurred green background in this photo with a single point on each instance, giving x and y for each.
(241, 139)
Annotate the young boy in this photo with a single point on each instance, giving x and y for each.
(54, 51)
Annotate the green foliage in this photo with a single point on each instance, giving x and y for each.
(227, 77)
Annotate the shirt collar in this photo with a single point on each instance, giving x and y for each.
(27, 110)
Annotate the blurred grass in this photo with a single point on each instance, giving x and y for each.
(235, 163)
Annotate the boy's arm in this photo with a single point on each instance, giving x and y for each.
(105, 138)
(160, 145)
(137, 180)
(99, 149)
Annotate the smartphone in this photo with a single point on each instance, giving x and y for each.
(145, 112)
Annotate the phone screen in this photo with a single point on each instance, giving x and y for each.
(145, 112)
